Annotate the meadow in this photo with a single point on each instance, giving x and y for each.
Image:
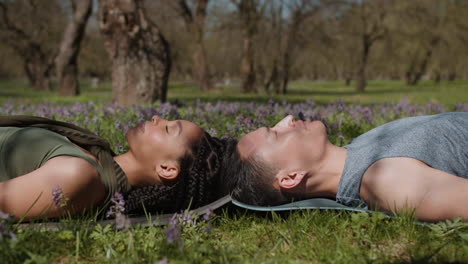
(231, 234)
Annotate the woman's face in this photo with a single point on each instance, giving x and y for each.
(159, 144)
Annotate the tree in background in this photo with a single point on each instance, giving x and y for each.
(29, 29)
(139, 53)
(194, 19)
(431, 27)
(367, 23)
(66, 61)
(249, 15)
(300, 11)
(423, 39)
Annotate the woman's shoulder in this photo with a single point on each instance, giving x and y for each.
(75, 168)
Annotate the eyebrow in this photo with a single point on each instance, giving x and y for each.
(179, 124)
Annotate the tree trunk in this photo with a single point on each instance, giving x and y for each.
(66, 62)
(285, 71)
(248, 16)
(37, 63)
(273, 79)
(452, 76)
(139, 53)
(361, 80)
(348, 81)
(195, 22)
(37, 69)
(247, 66)
(415, 75)
(200, 67)
(437, 76)
(201, 70)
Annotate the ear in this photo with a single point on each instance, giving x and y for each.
(289, 180)
(168, 170)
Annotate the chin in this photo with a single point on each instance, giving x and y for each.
(316, 125)
(129, 136)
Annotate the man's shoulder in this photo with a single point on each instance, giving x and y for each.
(391, 177)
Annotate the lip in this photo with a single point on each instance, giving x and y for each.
(141, 127)
(302, 124)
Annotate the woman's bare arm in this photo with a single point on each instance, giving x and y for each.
(77, 178)
(398, 184)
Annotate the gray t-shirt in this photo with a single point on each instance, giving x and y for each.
(440, 141)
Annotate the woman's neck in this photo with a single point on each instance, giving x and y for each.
(136, 175)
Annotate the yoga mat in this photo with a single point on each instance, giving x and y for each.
(164, 219)
(314, 203)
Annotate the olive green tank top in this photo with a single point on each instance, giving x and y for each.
(23, 150)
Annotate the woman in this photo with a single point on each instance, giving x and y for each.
(38, 165)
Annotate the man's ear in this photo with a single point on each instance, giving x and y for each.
(289, 180)
(168, 170)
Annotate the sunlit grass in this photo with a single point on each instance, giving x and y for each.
(237, 235)
(447, 93)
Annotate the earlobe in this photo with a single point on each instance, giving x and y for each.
(168, 170)
(289, 180)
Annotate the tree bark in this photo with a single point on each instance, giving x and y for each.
(372, 18)
(247, 70)
(248, 14)
(36, 63)
(139, 53)
(361, 80)
(37, 69)
(195, 25)
(415, 73)
(66, 62)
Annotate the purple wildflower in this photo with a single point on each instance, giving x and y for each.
(58, 197)
(122, 222)
(117, 210)
(118, 205)
(207, 214)
(5, 232)
(173, 231)
(119, 147)
(162, 261)
(4, 216)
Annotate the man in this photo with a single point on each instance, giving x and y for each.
(415, 163)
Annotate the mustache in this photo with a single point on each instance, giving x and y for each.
(301, 116)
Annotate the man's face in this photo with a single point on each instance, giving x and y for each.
(289, 144)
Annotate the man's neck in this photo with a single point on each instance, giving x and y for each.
(324, 177)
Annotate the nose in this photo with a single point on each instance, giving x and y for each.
(288, 121)
(155, 119)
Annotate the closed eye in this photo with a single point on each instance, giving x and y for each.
(167, 129)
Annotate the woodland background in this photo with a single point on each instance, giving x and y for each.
(255, 46)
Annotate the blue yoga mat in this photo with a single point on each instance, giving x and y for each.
(314, 203)
(163, 219)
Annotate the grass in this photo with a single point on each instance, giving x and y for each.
(325, 92)
(447, 93)
(237, 235)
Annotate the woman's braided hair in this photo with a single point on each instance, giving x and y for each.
(199, 183)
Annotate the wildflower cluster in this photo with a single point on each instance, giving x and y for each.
(188, 223)
(117, 211)
(5, 230)
(227, 119)
(58, 197)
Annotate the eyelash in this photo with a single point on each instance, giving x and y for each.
(167, 130)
